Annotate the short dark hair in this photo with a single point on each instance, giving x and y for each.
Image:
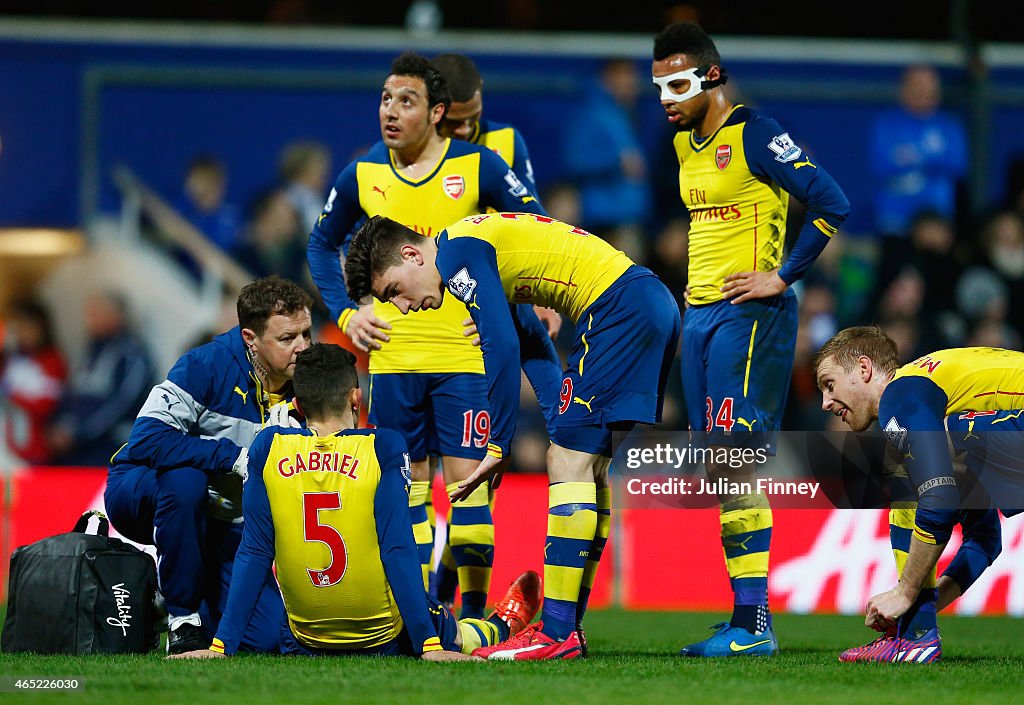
(461, 75)
(325, 374)
(374, 248)
(851, 343)
(269, 296)
(686, 38)
(409, 63)
(209, 164)
(33, 311)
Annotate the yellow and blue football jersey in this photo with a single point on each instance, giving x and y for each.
(736, 185)
(540, 260)
(468, 179)
(499, 265)
(331, 514)
(962, 383)
(506, 141)
(971, 379)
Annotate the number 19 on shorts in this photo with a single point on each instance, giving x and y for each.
(476, 428)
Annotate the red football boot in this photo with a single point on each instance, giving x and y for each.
(532, 644)
(520, 603)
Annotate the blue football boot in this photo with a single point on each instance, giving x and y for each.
(733, 641)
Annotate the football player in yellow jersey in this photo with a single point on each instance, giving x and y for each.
(426, 376)
(738, 170)
(973, 396)
(327, 505)
(627, 331)
(464, 121)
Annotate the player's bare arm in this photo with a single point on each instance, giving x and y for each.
(887, 607)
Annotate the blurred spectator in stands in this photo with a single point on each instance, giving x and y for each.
(562, 202)
(906, 333)
(817, 324)
(1003, 240)
(931, 255)
(992, 288)
(32, 377)
(994, 334)
(902, 314)
(106, 390)
(203, 203)
(603, 157)
(275, 240)
(669, 256)
(304, 168)
(918, 154)
(1014, 197)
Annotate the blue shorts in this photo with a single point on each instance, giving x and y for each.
(437, 413)
(444, 622)
(618, 367)
(992, 446)
(737, 363)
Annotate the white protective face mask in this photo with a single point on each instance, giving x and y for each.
(696, 86)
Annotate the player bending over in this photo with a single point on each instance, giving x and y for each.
(975, 393)
(627, 330)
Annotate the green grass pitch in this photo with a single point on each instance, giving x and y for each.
(632, 661)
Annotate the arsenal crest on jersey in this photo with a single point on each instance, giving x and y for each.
(454, 186)
(723, 155)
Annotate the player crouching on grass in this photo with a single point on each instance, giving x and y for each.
(961, 405)
(627, 331)
(328, 506)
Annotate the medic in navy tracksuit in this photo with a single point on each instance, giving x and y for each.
(172, 484)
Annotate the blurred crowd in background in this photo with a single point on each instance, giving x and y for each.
(932, 274)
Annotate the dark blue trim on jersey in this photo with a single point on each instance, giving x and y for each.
(521, 155)
(398, 552)
(255, 556)
(539, 360)
(495, 325)
(918, 405)
(810, 184)
(328, 243)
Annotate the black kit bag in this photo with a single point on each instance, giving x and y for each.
(80, 593)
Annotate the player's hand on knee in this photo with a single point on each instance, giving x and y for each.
(744, 286)
(551, 319)
(365, 329)
(469, 330)
(199, 653)
(439, 656)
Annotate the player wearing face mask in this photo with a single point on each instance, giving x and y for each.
(737, 172)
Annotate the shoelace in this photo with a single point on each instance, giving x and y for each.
(526, 636)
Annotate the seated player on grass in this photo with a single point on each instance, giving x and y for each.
(627, 331)
(961, 404)
(328, 506)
